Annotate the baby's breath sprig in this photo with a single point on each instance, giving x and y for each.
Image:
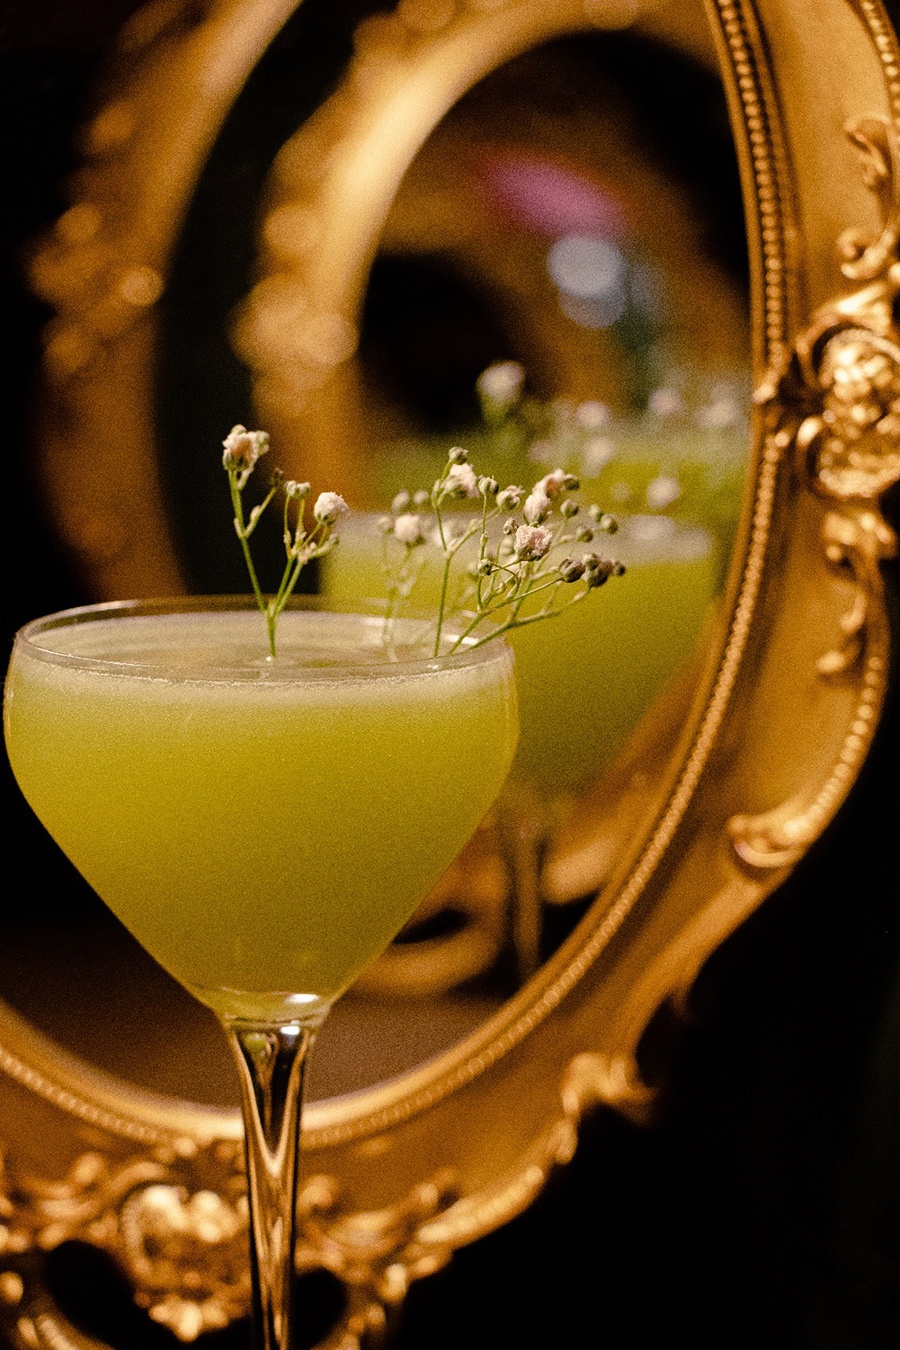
(242, 451)
(517, 577)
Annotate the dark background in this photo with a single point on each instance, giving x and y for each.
(763, 1207)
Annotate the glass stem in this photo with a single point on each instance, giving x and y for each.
(272, 1060)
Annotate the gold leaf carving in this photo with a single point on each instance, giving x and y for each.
(856, 542)
(876, 142)
(176, 1222)
(376, 1254)
(174, 1219)
(852, 447)
(840, 399)
(187, 1253)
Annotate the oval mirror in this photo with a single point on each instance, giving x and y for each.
(639, 386)
(426, 208)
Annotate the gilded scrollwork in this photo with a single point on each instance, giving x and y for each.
(851, 448)
(376, 1254)
(840, 392)
(186, 1253)
(175, 1220)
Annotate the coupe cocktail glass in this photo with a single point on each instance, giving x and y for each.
(263, 827)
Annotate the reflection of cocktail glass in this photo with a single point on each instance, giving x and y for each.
(585, 680)
(264, 828)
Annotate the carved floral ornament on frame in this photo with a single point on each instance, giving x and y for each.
(165, 1200)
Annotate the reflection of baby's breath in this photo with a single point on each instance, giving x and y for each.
(683, 454)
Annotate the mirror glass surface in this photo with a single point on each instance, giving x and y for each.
(571, 231)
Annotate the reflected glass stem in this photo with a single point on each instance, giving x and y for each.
(272, 1061)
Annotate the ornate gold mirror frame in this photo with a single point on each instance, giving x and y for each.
(401, 1175)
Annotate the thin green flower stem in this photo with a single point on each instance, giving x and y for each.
(445, 581)
(305, 553)
(291, 571)
(531, 618)
(514, 621)
(278, 602)
(448, 558)
(525, 590)
(482, 548)
(280, 595)
(259, 510)
(498, 595)
(390, 614)
(450, 551)
(436, 503)
(502, 599)
(238, 506)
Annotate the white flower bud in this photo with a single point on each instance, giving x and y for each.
(533, 542)
(408, 529)
(400, 502)
(243, 448)
(458, 455)
(500, 386)
(460, 481)
(665, 403)
(537, 507)
(663, 491)
(510, 498)
(295, 490)
(552, 484)
(328, 507)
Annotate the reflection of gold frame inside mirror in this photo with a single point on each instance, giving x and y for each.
(784, 711)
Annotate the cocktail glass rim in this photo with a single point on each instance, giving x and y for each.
(413, 624)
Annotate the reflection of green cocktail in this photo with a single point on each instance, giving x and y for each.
(586, 677)
(263, 828)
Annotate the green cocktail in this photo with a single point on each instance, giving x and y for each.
(263, 827)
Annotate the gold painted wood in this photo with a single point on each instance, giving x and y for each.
(783, 712)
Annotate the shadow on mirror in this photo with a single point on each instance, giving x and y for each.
(560, 281)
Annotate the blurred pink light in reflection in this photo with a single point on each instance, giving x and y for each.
(550, 198)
